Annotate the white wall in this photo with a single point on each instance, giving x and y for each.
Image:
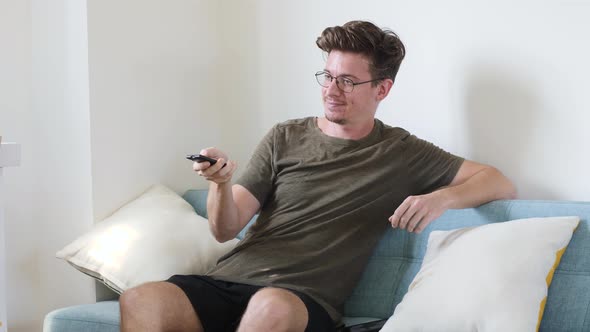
(61, 144)
(15, 116)
(154, 95)
(103, 109)
(103, 115)
(503, 83)
(45, 87)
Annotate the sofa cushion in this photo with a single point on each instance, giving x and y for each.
(151, 238)
(487, 278)
(105, 317)
(96, 317)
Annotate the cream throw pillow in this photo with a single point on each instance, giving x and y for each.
(487, 278)
(151, 238)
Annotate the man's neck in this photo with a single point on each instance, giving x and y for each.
(345, 131)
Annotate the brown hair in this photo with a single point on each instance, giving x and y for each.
(382, 46)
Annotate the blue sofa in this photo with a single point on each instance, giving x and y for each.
(396, 261)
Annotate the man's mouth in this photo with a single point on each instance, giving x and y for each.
(334, 103)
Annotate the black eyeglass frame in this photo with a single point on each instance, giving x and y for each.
(324, 73)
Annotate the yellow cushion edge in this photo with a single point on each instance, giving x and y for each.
(558, 256)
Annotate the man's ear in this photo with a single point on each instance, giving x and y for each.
(384, 88)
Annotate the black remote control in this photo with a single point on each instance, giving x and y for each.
(200, 158)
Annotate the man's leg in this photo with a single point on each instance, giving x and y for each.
(274, 309)
(157, 306)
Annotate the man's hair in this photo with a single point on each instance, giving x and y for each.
(382, 46)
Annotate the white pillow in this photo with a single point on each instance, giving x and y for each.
(487, 278)
(151, 238)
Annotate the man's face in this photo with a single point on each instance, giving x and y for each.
(358, 106)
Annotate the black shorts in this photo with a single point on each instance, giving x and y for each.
(220, 304)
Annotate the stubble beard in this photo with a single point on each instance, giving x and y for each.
(336, 117)
(339, 121)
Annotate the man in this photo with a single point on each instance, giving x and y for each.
(326, 189)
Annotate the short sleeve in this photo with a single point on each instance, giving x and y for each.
(259, 174)
(429, 167)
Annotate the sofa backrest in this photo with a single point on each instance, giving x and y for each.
(398, 257)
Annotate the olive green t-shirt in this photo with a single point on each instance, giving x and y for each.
(325, 205)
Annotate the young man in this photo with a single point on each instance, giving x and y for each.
(326, 189)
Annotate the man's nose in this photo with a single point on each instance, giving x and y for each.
(333, 88)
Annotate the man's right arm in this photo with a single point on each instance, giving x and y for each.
(229, 207)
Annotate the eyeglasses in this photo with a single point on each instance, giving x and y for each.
(345, 84)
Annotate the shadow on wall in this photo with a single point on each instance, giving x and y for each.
(501, 113)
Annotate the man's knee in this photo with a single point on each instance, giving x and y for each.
(157, 306)
(129, 298)
(277, 307)
(133, 297)
(270, 302)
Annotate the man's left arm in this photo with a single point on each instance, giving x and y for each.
(473, 185)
